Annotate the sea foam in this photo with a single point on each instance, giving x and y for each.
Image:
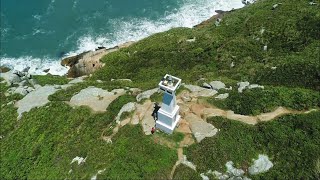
(189, 14)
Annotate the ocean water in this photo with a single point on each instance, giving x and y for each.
(38, 33)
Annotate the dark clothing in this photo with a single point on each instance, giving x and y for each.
(155, 111)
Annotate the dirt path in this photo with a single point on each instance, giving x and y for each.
(190, 104)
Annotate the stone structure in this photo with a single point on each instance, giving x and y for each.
(168, 114)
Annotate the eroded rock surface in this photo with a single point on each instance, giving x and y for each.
(200, 128)
(96, 98)
(36, 98)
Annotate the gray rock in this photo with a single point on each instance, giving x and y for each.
(146, 94)
(204, 177)
(99, 81)
(191, 40)
(206, 93)
(36, 98)
(217, 85)
(252, 86)
(29, 89)
(96, 98)
(23, 83)
(222, 96)
(37, 86)
(21, 90)
(206, 85)
(194, 88)
(200, 128)
(76, 80)
(232, 170)
(10, 77)
(129, 107)
(32, 82)
(262, 164)
(242, 86)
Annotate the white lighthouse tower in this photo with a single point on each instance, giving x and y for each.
(168, 114)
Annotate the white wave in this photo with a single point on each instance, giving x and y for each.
(37, 65)
(190, 14)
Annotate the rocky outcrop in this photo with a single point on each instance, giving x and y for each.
(129, 107)
(21, 82)
(4, 69)
(246, 85)
(200, 128)
(260, 165)
(146, 94)
(36, 98)
(96, 98)
(88, 62)
(200, 91)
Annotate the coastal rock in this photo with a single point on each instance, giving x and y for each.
(11, 77)
(262, 164)
(217, 85)
(146, 94)
(96, 98)
(36, 98)
(88, 62)
(4, 69)
(21, 90)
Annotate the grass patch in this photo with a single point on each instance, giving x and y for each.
(290, 142)
(256, 101)
(46, 146)
(50, 79)
(184, 172)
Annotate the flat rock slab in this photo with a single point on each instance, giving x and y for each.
(200, 128)
(96, 98)
(197, 91)
(36, 98)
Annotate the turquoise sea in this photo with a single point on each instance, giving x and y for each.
(38, 33)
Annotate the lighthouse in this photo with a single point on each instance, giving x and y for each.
(168, 114)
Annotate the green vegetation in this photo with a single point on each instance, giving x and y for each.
(291, 142)
(43, 145)
(50, 79)
(184, 172)
(256, 101)
(240, 39)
